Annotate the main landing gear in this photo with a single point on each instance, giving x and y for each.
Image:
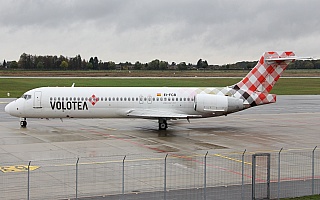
(23, 122)
(163, 124)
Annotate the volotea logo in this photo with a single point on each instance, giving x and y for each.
(93, 99)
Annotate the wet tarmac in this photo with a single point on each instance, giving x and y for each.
(53, 146)
(291, 123)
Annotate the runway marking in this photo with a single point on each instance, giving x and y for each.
(233, 159)
(18, 168)
(4, 102)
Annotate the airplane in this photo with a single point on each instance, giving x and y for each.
(158, 103)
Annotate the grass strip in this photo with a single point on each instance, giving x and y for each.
(285, 86)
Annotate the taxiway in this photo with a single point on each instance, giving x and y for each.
(291, 123)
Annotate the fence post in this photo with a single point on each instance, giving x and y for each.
(313, 170)
(205, 177)
(77, 178)
(165, 178)
(279, 173)
(242, 176)
(28, 197)
(123, 175)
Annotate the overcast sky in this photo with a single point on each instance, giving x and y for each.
(220, 32)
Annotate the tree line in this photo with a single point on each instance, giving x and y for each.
(48, 62)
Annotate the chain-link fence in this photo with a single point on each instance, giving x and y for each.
(233, 176)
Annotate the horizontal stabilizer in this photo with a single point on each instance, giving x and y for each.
(289, 58)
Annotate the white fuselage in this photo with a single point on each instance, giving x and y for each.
(117, 102)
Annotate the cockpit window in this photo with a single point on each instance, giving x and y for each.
(26, 96)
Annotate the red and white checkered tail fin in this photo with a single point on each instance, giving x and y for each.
(265, 74)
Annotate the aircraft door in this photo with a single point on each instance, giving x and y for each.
(37, 99)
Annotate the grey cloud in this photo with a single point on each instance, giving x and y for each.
(189, 27)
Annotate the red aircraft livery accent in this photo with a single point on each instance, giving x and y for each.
(93, 100)
(261, 79)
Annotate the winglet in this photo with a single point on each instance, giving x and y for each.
(72, 84)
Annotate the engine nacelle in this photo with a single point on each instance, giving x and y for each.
(217, 103)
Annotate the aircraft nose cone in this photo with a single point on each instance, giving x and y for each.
(7, 108)
(15, 108)
(10, 108)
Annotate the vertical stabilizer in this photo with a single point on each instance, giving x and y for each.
(266, 73)
(254, 88)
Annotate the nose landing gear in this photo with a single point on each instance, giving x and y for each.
(23, 122)
(163, 124)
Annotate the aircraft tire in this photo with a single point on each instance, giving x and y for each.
(163, 126)
(23, 124)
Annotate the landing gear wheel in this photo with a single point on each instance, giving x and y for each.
(163, 124)
(23, 124)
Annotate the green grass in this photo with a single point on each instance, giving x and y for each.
(314, 197)
(17, 86)
(297, 86)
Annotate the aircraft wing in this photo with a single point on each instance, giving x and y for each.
(157, 113)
